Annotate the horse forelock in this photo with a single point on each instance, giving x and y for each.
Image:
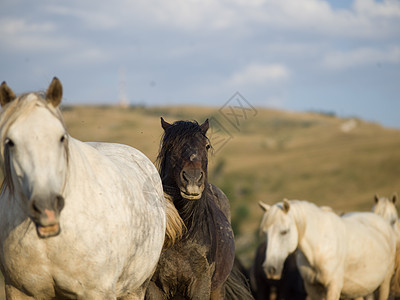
(271, 216)
(296, 212)
(21, 107)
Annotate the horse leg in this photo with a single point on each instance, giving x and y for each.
(200, 288)
(13, 293)
(218, 294)
(153, 292)
(314, 291)
(333, 291)
(384, 288)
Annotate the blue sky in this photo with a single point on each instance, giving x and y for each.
(338, 56)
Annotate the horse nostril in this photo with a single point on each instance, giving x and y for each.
(34, 208)
(184, 178)
(59, 202)
(271, 270)
(200, 177)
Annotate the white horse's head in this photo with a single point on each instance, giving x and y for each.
(386, 208)
(34, 154)
(281, 234)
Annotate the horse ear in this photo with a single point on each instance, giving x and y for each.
(264, 207)
(6, 94)
(204, 127)
(286, 205)
(164, 124)
(376, 198)
(394, 198)
(54, 92)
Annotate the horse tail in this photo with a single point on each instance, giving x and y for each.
(237, 285)
(175, 225)
(395, 284)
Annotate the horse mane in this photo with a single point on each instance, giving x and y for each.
(20, 107)
(175, 225)
(197, 215)
(297, 208)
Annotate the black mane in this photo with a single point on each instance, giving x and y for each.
(196, 214)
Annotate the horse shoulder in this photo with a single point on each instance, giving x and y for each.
(322, 252)
(225, 247)
(221, 200)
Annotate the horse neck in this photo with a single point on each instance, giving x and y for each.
(300, 211)
(197, 215)
(307, 217)
(80, 163)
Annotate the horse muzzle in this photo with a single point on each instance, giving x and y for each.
(192, 183)
(271, 272)
(45, 214)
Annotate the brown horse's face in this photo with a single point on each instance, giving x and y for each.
(187, 163)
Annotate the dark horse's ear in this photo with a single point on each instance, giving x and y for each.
(164, 124)
(54, 92)
(204, 127)
(6, 94)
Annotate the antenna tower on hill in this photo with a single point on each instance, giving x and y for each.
(123, 99)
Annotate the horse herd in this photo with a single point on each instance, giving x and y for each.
(99, 221)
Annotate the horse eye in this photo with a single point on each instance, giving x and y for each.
(9, 142)
(283, 232)
(62, 139)
(208, 146)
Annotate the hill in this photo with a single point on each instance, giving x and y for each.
(265, 155)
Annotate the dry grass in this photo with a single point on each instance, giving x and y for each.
(270, 156)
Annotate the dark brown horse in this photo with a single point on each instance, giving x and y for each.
(199, 265)
(289, 287)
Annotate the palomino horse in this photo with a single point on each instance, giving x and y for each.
(77, 220)
(199, 265)
(386, 208)
(348, 256)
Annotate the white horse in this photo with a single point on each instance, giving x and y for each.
(77, 220)
(348, 256)
(386, 208)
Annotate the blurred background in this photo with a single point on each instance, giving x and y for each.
(316, 116)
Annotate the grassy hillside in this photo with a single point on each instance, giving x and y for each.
(266, 155)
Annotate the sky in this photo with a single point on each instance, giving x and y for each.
(336, 56)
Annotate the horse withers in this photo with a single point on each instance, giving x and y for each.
(77, 220)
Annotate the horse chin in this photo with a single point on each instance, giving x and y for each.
(188, 196)
(274, 277)
(48, 231)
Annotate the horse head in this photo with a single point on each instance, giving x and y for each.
(34, 154)
(281, 234)
(184, 157)
(386, 208)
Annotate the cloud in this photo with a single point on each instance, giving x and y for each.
(359, 57)
(259, 74)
